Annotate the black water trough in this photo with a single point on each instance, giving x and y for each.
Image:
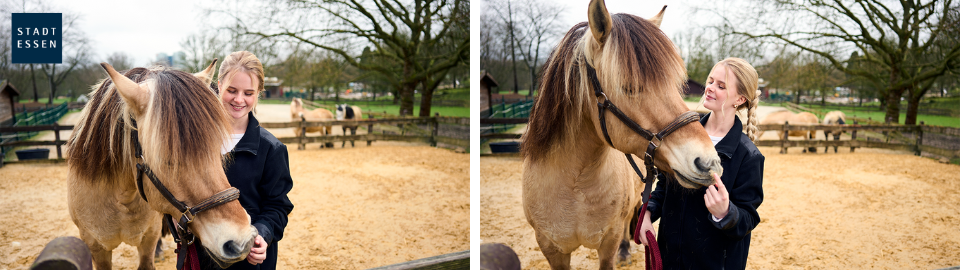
(39, 153)
(504, 147)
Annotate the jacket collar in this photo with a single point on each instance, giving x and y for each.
(730, 142)
(251, 137)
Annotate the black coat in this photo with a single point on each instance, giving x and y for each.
(260, 169)
(688, 237)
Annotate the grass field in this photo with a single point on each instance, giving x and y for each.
(933, 120)
(44, 100)
(444, 111)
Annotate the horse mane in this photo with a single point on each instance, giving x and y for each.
(183, 127)
(636, 58)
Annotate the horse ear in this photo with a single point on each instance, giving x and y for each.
(600, 21)
(129, 90)
(207, 74)
(658, 18)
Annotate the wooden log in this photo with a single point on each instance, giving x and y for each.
(65, 252)
(503, 121)
(458, 260)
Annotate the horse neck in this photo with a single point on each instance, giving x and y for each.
(582, 152)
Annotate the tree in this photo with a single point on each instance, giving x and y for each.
(200, 49)
(899, 39)
(542, 20)
(401, 32)
(76, 50)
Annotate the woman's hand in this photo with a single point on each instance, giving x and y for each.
(259, 251)
(717, 199)
(644, 227)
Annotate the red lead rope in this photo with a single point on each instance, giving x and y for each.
(190, 260)
(652, 252)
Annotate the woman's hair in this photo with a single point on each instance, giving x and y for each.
(237, 62)
(747, 86)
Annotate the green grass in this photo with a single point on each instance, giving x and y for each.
(44, 100)
(444, 111)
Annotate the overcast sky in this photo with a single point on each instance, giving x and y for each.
(139, 28)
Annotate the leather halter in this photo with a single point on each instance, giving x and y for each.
(187, 213)
(656, 139)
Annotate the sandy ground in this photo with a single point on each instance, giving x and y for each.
(873, 209)
(394, 202)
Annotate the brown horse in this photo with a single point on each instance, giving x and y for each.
(577, 189)
(319, 114)
(800, 119)
(181, 126)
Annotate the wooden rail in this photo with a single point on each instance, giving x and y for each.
(458, 260)
(432, 138)
(56, 128)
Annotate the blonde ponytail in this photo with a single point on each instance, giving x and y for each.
(751, 127)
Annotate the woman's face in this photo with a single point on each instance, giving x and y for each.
(240, 96)
(721, 90)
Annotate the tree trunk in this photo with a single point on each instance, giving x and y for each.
(33, 78)
(406, 98)
(893, 106)
(53, 85)
(913, 104)
(426, 98)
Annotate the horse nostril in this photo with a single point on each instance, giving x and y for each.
(231, 249)
(702, 166)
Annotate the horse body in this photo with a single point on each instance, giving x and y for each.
(794, 119)
(319, 114)
(181, 127)
(833, 118)
(347, 112)
(578, 190)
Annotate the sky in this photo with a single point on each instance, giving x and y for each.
(139, 28)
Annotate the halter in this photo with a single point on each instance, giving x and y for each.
(187, 213)
(656, 139)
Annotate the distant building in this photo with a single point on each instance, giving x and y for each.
(486, 82)
(693, 89)
(9, 96)
(271, 87)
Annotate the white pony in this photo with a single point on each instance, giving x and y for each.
(347, 112)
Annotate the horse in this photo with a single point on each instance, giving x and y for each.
(578, 187)
(319, 114)
(347, 112)
(784, 116)
(833, 118)
(173, 124)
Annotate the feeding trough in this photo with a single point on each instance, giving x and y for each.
(28, 154)
(504, 147)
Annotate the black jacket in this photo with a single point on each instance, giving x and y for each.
(260, 169)
(688, 237)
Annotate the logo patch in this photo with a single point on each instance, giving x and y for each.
(37, 38)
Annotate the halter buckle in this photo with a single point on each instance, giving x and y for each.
(186, 218)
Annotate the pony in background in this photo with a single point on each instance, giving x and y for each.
(795, 119)
(347, 112)
(318, 114)
(833, 118)
(578, 189)
(180, 125)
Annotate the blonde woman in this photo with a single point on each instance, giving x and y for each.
(259, 167)
(710, 228)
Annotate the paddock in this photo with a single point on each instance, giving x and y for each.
(872, 209)
(354, 208)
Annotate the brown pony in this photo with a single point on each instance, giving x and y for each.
(181, 127)
(784, 116)
(319, 114)
(577, 189)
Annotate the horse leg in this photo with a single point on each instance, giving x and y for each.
(836, 137)
(608, 250)
(344, 133)
(623, 256)
(102, 257)
(353, 131)
(826, 137)
(146, 247)
(557, 259)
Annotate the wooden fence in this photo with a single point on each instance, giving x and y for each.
(58, 142)
(433, 138)
(893, 137)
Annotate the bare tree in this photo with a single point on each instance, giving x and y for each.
(542, 21)
(120, 61)
(76, 50)
(899, 39)
(200, 49)
(402, 33)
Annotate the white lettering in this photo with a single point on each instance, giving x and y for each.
(36, 31)
(45, 31)
(53, 44)
(19, 31)
(54, 31)
(19, 43)
(36, 44)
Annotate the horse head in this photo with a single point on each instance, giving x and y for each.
(341, 108)
(181, 126)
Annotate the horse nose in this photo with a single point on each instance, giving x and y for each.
(231, 249)
(702, 165)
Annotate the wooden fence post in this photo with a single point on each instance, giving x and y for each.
(303, 133)
(853, 136)
(783, 141)
(434, 127)
(919, 135)
(369, 129)
(56, 134)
